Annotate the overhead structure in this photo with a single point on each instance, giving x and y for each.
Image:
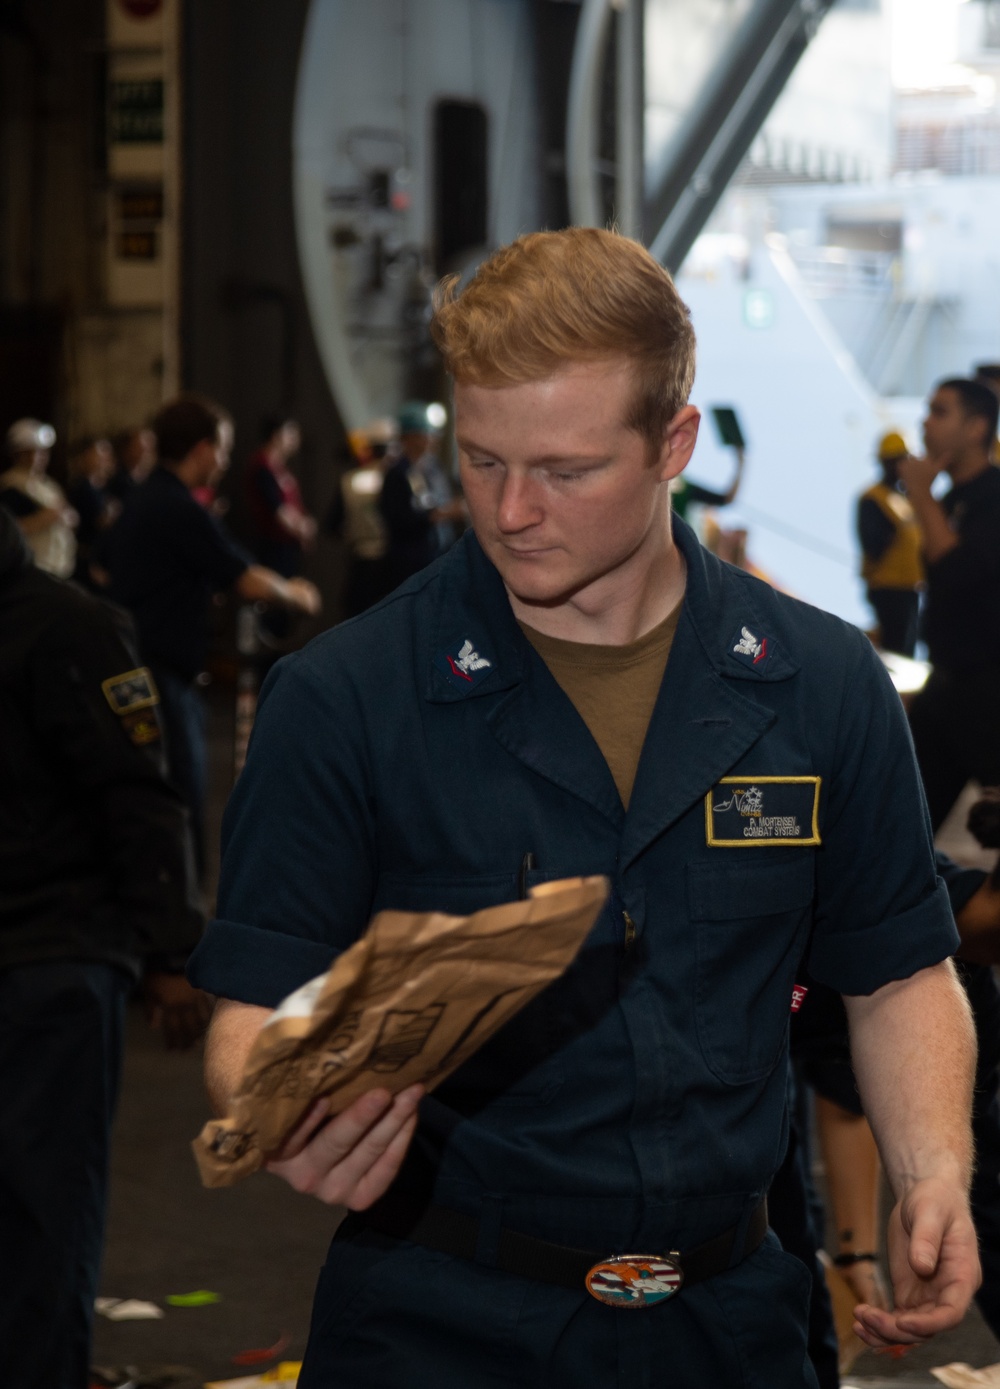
(716, 130)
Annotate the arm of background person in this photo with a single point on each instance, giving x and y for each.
(349, 1160)
(913, 1046)
(296, 523)
(206, 548)
(258, 584)
(875, 530)
(917, 476)
(30, 515)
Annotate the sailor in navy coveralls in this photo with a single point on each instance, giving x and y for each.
(423, 757)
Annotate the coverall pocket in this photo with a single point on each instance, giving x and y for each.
(520, 1064)
(750, 923)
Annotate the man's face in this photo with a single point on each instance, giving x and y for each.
(415, 444)
(100, 462)
(291, 439)
(214, 455)
(561, 493)
(140, 455)
(948, 430)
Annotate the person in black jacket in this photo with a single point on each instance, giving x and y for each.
(410, 510)
(954, 717)
(96, 883)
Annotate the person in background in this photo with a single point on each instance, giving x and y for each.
(168, 557)
(36, 502)
(135, 459)
(282, 528)
(91, 467)
(954, 720)
(890, 539)
(355, 516)
(97, 885)
(685, 494)
(407, 502)
(819, 1046)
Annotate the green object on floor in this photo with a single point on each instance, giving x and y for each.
(201, 1298)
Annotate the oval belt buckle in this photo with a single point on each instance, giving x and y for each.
(635, 1280)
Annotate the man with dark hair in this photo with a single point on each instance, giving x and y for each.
(954, 718)
(168, 556)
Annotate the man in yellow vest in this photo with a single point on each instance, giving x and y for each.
(891, 563)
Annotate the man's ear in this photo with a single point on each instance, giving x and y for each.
(678, 442)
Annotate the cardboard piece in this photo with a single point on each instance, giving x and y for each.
(410, 1001)
(961, 1376)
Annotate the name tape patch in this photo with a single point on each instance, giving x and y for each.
(741, 811)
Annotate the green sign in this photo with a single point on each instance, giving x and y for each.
(135, 112)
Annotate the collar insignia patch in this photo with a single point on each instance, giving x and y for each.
(751, 649)
(741, 811)
(464, 666)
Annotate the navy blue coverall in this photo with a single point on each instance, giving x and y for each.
(638, 1104)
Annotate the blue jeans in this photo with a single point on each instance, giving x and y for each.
(182, 710)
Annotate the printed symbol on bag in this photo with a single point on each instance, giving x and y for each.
(335, 1048)
(403, 1036)
(230, 1145)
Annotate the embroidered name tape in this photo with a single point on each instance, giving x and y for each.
(133, 690)
(464, 665)
(740, 811)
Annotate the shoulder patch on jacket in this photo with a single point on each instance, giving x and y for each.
(133, 690)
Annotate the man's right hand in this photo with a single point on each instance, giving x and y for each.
(350, 1160)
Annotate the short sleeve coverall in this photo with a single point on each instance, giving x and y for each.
(638, 1104)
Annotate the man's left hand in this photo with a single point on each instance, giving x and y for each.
(933, 1263)
(174, 1007)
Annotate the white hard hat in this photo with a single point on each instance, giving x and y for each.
(24, 436)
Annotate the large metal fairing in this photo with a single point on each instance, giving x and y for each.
(414, 151)
(422, 139)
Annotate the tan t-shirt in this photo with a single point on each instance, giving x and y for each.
(613, 689)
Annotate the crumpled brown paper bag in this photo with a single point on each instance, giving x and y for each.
(410, 1001)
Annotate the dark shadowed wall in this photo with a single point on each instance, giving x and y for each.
(245, 330)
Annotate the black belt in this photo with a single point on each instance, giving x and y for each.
(634, 1280)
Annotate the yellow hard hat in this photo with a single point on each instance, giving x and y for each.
(892, 445)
